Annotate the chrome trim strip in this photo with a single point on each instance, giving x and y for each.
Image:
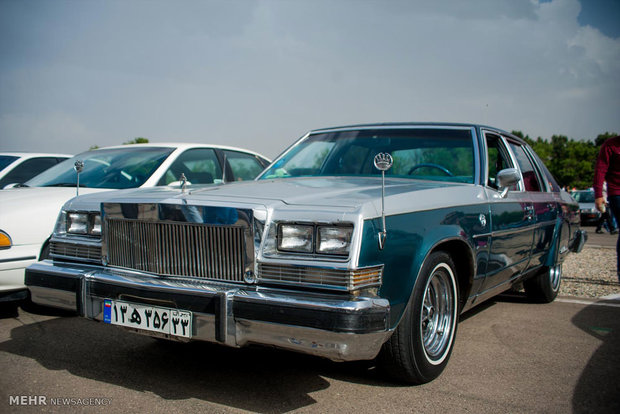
(18, 259)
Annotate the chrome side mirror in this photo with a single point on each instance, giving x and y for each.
(506, 178)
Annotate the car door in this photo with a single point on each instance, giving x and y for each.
(198, 166)
(241, 166)
(541, 193)
(512, 219)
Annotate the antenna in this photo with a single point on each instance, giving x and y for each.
(383, 162)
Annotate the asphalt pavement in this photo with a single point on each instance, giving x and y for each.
(600, 240)
(510, 356)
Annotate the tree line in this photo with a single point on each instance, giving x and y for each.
(570, 161)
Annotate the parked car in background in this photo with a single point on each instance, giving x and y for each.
(358, 242)
(587, 210)
(19, 167)
(28, 214)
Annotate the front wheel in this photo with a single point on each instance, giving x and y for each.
(419, 349)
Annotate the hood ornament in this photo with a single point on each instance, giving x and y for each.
(383, 162)
(78, 167)
(183, 180)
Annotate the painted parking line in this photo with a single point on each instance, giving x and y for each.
(592, 303)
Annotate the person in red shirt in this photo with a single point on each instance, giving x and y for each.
(608, 170)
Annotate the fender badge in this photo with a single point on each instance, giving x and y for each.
(483, 220)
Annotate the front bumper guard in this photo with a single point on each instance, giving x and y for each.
(580, 239)
(353, 328)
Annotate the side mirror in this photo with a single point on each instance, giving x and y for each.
(506, 178)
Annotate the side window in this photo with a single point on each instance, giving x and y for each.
(244, 166)
(530, 177)
(200, 166)
(498, 159)
(552, 184)
(27, 169)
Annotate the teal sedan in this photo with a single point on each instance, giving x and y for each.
(363, 242)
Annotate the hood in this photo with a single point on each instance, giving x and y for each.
(20, 195)
(310, 193)
(28, 214)
(587, 206)
(317, 191)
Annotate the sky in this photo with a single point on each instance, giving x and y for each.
(259, 74)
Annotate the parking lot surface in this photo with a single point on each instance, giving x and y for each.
(510, 356)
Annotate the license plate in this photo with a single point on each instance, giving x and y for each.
(149, 318)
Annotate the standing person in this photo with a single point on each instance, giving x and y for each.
(608, 169)
(607, 219)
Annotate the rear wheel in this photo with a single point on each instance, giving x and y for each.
(419, 349)
(545, 286)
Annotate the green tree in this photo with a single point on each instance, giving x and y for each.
(570, 161)
(603, 137)
(138, 140)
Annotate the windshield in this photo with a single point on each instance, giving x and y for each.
(584, 196)
(424, 153)
(108, 168)
(6, 160)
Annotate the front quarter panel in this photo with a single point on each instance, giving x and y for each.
(412, 237)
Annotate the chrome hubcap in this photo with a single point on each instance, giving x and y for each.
(555, 276)
(437, 321)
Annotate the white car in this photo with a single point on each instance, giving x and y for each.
(19, 167)
(28, 213)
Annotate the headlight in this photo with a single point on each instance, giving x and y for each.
(82, 223)
(334, 240)
(5, 241)
(310, 238)
(77, 223)
(295, 238)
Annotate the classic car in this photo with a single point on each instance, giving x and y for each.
(28, 213)
(356, 243)
(19, 167)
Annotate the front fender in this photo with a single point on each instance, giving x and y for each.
(410, 240)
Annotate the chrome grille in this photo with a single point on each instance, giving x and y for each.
(91, 253)
(342, 279)
(176, 249)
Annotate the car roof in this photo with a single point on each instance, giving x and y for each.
(181, 146)
(410, 124)
(33, 154)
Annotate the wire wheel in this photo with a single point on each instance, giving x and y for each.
(420, 347)
(438, 313)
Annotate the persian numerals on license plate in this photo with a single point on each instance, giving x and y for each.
(150, 318)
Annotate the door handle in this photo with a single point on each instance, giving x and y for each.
(529, 212)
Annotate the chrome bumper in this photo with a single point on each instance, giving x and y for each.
(341, 329)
